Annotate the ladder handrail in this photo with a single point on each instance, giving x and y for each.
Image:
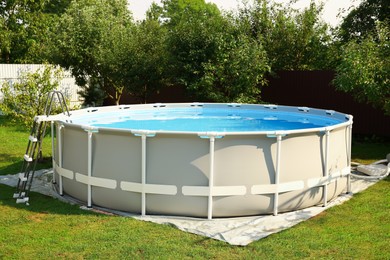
(61, 100)
(37, 134)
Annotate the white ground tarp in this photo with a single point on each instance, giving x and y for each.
(235, 231)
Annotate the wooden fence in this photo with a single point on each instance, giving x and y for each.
(301, 88)
(315, 89)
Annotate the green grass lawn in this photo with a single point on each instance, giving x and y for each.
(48, 228)
(13, 143)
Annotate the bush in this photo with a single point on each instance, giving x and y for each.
(364, 69)
(92, 93)
(25, 99)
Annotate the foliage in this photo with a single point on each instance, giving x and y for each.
(24, 100)
(191, 26)
(92, 39)
(364, 70)
(147, 59)
(293, 40)
(215, 56)
(91, 93)
(175, 11)
(361, 21)
(210, 56)
(23, 29)
(239, 68)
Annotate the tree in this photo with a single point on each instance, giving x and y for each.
(26, 99)
(23, 29)
(209, 55)
(92, 94)
(92, 39)
(361, 21)
(147, 60)
(174, 11)
(364, 69)
(191, 26)
(294, 40)
(238, 70)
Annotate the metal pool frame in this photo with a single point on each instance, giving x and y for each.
(201, 174)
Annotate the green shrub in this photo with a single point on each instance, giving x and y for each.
(25, 99)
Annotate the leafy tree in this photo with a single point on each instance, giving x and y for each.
(92, 94)
(294, 40)
(26, 99)
(361, 21)
(211, 58)
(24, 26)
(174, 11)
(364, 69)
(147, 59)
(190, 41)
(238, 69)
(92, 40)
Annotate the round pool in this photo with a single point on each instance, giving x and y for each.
(202, 159)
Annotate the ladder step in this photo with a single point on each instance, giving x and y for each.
(33, 139)
(22, 200)
(28, 158)
(22, 177)
(19, 195)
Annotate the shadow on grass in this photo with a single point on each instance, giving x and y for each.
(17, 127)
(370, 151)
(13, 168)
(40, 203)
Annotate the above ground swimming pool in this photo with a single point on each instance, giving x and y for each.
(202, 159)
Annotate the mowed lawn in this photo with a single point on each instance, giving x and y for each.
(50, 229)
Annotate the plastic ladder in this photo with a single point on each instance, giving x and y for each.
(34, 147)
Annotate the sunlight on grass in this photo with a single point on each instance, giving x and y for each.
(13, 140)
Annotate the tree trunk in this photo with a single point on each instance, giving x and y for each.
(118, 95)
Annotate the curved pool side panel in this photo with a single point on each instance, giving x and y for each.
(204, 174)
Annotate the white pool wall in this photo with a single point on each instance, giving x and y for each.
(204, 174)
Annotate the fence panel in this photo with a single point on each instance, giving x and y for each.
(315, 89)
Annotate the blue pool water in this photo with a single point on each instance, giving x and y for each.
(208, 119)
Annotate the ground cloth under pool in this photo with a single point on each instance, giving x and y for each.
(235, 231)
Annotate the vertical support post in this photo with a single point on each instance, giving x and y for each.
(277, 171)
(143, 135)
(53, 151)
(59, 136)
(349, 157)
(89, 203)
(326, 167)
(211, 179)
(143, 176)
